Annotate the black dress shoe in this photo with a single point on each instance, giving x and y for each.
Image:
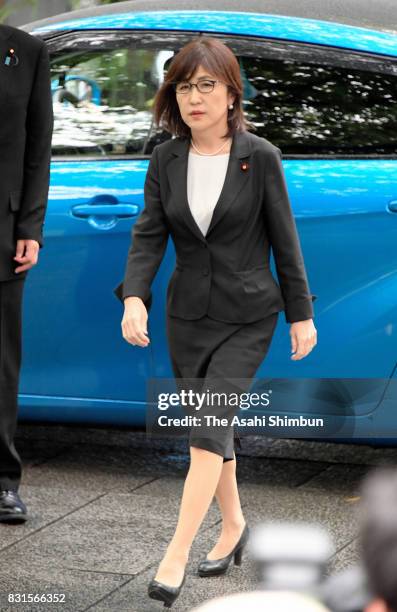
(216, 567)
(12, 508)
(164, 592)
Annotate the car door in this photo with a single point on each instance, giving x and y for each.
(76, 364)
(332, 113)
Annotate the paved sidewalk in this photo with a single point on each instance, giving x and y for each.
(103, 505)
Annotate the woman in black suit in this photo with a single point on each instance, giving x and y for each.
(220, 192)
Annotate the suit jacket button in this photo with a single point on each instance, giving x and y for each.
(205, 271)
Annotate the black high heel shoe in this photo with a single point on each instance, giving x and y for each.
(216, 567)
(164, 592)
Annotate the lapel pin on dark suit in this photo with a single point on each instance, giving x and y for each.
(244, 166)
(11, 59)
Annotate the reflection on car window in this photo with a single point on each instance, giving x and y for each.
(102, 100)
(305, 100)
(316, 109)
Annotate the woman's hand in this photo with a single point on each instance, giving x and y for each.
(134, 323)
(303, 338)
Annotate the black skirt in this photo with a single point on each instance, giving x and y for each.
(210, 353)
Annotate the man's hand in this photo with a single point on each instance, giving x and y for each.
(134, 323)
(27, 254)
(303, 338)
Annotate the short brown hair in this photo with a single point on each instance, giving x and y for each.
(216, 57)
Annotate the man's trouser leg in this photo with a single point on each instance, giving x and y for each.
(11, 293)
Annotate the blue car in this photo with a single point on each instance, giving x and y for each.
(322, 91)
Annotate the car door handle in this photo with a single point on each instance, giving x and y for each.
(105, 210)
(392, 206)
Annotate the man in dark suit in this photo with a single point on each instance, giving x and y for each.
(26, 121)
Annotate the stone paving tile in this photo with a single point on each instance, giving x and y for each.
(342, 479)
(80, 589)
(34, 452)
(65, 482)
(133, 596)
(46, 505)
(106, 436)
(345, 557)
(277, 471)
(118, 532)
(103, 467)
(274, 503)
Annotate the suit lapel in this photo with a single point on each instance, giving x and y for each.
(235, 180)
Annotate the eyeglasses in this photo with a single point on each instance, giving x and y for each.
(204, 86)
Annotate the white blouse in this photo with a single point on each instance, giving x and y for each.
(205, 179)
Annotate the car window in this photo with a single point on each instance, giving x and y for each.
(102, 100)
(307, 99)
(320, 109)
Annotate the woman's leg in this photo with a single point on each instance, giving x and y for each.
(198, 491)
(192, 342)
(233, 521)
(243, 353)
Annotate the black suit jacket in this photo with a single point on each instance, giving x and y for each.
(26, 121)
(225, 274)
